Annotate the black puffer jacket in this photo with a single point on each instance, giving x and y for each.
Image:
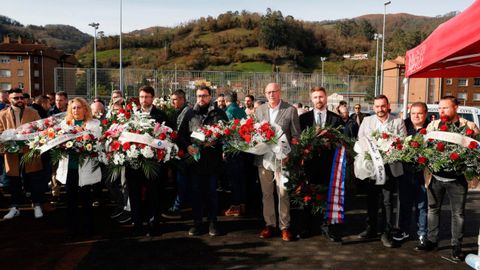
(210, 157)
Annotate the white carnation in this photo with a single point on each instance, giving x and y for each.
(147, 152)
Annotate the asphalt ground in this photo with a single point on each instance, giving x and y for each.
(28, 243)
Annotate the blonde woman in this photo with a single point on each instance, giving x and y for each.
(78, 179)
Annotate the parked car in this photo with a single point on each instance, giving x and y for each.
(469, 113)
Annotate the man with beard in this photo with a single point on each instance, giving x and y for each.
(249, 103)
(318, 169)
(14, 116)
(61, 103)
(205, 170)
(350, 126)
(276, 111)
(453, 184)
(382, 121)
(138, 182)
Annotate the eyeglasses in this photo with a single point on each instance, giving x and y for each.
(202, 96)
(357, 108)
(18, 98)
(270, 92)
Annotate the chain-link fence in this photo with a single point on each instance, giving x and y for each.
(295, 86)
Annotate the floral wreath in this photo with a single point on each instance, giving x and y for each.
(311, 142)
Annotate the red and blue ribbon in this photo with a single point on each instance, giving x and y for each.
(334, 213)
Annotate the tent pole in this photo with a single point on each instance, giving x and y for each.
(406, 82)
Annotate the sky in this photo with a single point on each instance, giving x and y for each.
(140, 14)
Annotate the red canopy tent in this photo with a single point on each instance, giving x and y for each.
(452, 50)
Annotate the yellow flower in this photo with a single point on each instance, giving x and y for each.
(89, 147)
(43, 141)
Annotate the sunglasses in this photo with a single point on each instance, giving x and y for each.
(18, 98)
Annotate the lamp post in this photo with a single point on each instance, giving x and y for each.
(323, 61)
(95, 27)
(383, 42)
(377, 37)
(120, 56)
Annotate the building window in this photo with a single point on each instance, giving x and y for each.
(36, 73)
(20, 59)
(5, 86)
(462, 82)
(476, 96)
(20, 72)
(476, 81)
(21, 85)
(448, 81)
(462, 96)
(36, 86)
(5, 73)
(4, 59)
(35, 60)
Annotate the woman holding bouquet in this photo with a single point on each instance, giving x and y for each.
(78, 176)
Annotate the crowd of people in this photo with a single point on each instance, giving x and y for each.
(138, 201)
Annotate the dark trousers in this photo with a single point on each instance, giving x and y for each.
(204, 188)
(74, 193)
(412, 192)
(118, 192)
(137, 182)
(183, 184)
(385, 194)
(457, 194)
(235, 171)
(37, 186)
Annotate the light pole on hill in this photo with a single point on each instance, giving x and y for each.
(95, 27)
(323, 61)
(377, 37)
(383, 41)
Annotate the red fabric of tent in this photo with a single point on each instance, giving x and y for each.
(452, 50)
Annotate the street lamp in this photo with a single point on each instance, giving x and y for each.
(120, 56)
(377, 37)
(95, 27)
(323, 60)
(383, 42)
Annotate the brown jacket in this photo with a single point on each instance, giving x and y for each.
(12, 161)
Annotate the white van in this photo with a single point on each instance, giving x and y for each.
(469, 113)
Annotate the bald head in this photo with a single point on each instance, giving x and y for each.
(98, 110)
(273, 94)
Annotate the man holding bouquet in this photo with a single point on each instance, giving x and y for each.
(11, 118)
(450, 182)
(276, 111)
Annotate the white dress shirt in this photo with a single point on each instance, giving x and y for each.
(323, 115)
(273, 112)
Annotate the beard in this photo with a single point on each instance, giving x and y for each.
(19, 105)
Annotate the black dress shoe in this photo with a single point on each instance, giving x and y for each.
(367, 234)
(387, 241)
(457, 254)
(427, 245)
(331, 236)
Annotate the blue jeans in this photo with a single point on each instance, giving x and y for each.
(3, 176)
(235, 171)
(204, 188)
(412, 191)
(183, 178)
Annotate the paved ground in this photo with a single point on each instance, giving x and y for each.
(26, 243)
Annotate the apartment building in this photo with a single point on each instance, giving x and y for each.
(467, 90)
(30, 66)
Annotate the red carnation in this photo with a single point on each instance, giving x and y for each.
(399, 146)
(121, 110)
(141, 145)
(454, 156)
(423, 131)
(414, 144)
(115, 146)
(227, 132)
(162, 136)
(160, 154)
(217, 135)
(104, 122)
(295, 141)
(444, 118)
(208, 133)
(473, 145)
(469, 132)
(173, 135)
(307, 198)
(440, 146)
(247, 138)
(181, 153)
(128, 115)
(422, 160)
(385, 135)
(236, 121)
(444, 128)
(126, 146)
(129, 106)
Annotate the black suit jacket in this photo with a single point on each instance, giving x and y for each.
(318, 169)
(159, 116)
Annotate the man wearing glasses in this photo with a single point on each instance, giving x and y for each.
(358, 116)
(285, 115)
(12, 117)
(204, 171)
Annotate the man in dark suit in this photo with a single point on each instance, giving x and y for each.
(319, 117)
(137, 180)
(358, 116)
